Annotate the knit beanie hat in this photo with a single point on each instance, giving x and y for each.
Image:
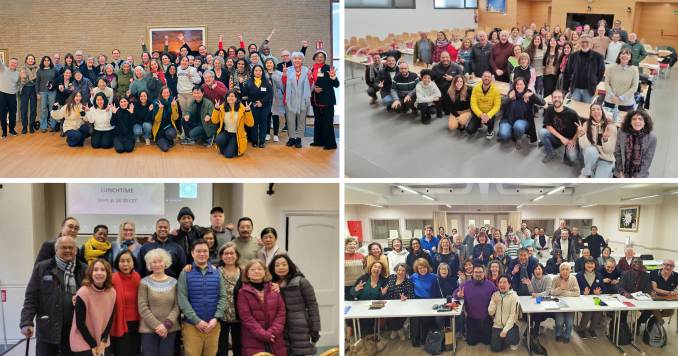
(185, 211)
(320, 51)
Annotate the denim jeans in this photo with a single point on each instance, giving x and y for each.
(594, 166)
(564, 322)
(387, 101)
(515, 131)
(551, 143)
(228, 144)
(145, 129)
(197, 133)
(582, 95)
(46, 101)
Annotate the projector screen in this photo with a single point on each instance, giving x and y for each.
(143, 203)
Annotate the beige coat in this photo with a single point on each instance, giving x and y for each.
(505, 310)
(606, 150)
(72, 121)
(572, 287)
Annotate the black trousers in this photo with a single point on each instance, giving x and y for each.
(276, 124)
(474, 124)
(235, 329)
(123, 144)
(128, 344)
(62, 349)
(29, 100)
(102, 139)
(419, 327)
(549, 84)
(478, 330)
(323, 126)
(8, 106)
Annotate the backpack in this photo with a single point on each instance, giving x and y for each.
(654, 334)
(624, 332)
(434, 342)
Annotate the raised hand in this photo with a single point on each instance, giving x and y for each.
(217, 104)
(187, 117)
(512, 95)
(160, 105)
(181, 37)
(150, 107)
(516, 269)
(240, 36)
(381, 84)
(131, 108)
(248, 106)
(221, 38)
(360, 286)
(384, 290)
(318, 89)
(460, 293)
(141, 39)
(174, 101)
(112, 108)
(61, 87)
(333, 73)
(581, 131)
(304, 43)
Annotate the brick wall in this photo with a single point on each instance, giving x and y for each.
(43, 27)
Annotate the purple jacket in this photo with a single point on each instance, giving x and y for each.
(261, 320)
(477, 297)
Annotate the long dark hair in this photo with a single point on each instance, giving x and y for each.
(291, 272)
(626, 124)
(42, 61)
(589, 123)
(236, 107)
(462, 94)
(531, 49)
(94, 102)
(547, 54)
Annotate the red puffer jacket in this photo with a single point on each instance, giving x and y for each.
(260, 320)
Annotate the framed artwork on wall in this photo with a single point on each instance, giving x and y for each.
(3, 55)
(193, 36)
(628, 218)
(496, 6)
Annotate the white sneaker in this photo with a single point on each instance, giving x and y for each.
(513, 347)
(276, 138)
(148, 142)
(268, 137)
(402, 335)
(393, 335)
(489, 135)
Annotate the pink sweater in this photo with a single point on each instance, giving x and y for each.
(99, 309)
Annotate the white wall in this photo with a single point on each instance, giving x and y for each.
(365, 213)
(381, 22)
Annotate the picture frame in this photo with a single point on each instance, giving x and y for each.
(629, 218)
(3, 55)
(496, 6)
(193, 35)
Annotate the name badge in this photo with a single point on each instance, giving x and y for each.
(321, 74)
(263, 89)
(47, 277)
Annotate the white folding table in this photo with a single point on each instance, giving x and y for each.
(400, 309)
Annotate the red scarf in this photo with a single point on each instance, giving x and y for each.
(314, 72)
(121, 283)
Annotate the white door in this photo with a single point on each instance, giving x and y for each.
(312, 243)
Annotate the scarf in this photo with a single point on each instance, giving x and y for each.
(166, 120)
(634, 154)
(257, 81)
(69, 278)
(590, 277)
(94, 249)
(542, 241)
(440, 47)
(314, 72)
(31, 74)
(121, 281)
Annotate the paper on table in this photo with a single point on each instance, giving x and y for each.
(549, 304)
(613, 303)
(392, 234)
(641, 296)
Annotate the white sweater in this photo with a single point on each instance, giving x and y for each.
(426, 93)
(100, 118)
(396, 257)
(187, 79)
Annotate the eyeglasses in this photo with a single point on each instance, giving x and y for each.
(669, 265)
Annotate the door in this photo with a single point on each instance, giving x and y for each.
(309, 241)
(454, 221)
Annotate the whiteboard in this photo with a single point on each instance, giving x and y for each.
(143, 203)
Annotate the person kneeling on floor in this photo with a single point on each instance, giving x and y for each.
(428, 95)
(231, 118)
(403, 89)
(504, 307)
(485, 104)
(560, 129)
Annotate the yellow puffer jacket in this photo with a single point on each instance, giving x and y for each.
(245, 118)
(158, 118)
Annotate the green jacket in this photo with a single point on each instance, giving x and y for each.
(123, 83)
(206, 110)
(638, 52)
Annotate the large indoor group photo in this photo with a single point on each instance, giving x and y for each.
(153, 269)
(155, 87)
(510, 88)
(510, 268)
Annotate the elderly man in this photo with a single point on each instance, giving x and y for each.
(9, 81)
(567, 246)
(286, 60)
(564, 285)
(501, 256)
(477, 293)
(443, 73)
(586, 68)
(469, 239)
(49, 296)
(222, 232)
(664, 283)
(635, 280)
(480, 55)
(638, 52)
(403, 89)
(556, 234)
(625, 262)
(499, 56)
(423, 50)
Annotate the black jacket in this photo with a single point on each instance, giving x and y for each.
(302, 318)
(47, 302)
(572, 252)
(123, 122)
(176, 252)
(529, 114)
(439, 71)
(185, 239)
(480, 59)
(263, 93)
(385, 76)
(326, 96)
(403, 86)
(142, 114)
(591, 67)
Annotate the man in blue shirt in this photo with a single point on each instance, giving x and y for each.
(428, 241)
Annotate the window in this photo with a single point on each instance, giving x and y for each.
(418, 224)
(382, 227)
(336, 51)
(455, 4)
(386, 4)
(546, 224)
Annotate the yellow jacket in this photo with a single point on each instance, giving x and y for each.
(489, 103)
(158, 118)
(218, 119)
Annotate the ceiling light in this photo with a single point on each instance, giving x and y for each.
(645, 197)
(588, 206)
(448, 205)
(556, 190)
(407, 189)
(427, 197)
(375, 205)
(538, 198)
(520, 206)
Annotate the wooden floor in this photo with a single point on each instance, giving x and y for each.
(46, 155)
(598, 347)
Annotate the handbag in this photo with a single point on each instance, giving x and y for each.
(449, 339)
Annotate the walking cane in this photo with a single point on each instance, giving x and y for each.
(28, 345)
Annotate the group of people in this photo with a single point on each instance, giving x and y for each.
(227, 98)
(490, 270)
(190, 290)
(615, 139)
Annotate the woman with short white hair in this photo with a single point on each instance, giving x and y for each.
(297, 91)
(158, 306)
(564, 285)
